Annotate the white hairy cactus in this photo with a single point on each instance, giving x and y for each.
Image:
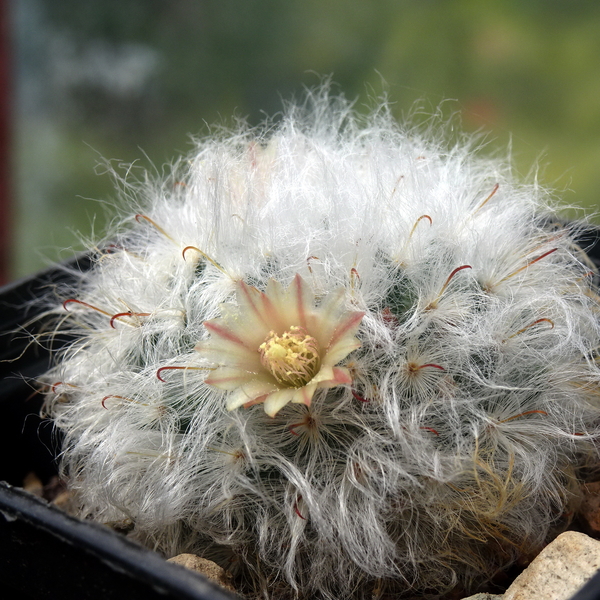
(345, 357)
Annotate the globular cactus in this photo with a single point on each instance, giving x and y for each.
(348, 359)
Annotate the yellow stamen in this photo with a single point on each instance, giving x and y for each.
(292, 358)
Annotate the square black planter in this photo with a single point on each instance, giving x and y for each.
(44, 553)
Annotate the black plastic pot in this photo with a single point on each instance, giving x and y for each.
(44, 553)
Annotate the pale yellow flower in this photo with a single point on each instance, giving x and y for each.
(276, 347)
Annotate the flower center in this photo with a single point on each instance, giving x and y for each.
(292, 358)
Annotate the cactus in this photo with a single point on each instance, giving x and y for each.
(344, 357)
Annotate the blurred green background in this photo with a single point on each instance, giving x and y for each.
(131, 79)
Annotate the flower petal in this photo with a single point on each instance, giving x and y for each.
(346, 328)
(260, 315)
(248, 392)
(325, 374)
(279, 302)
(250, 302)
(223, 352)
(341, 376)
(236, 338)
(303, 299)
(327, 316)
(277, 400)
(293, 305)
(229, 378)
(257, 400)
(340, 350)
(218, 328)
(304, 394)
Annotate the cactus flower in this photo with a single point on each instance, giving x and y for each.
(275, 347)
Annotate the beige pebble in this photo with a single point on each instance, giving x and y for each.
(205, 567)
(33, 485)
(559, 570)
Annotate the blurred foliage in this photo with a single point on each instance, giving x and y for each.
(131, 79)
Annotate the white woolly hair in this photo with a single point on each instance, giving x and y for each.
(474, 398)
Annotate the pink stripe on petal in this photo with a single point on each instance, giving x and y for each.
(258, 400)
(326, 316)
(346, 326)
(301, 298)
(271, 307)
(223, 332)
(228, 379)
(250, 297)
(325, 374)
(341, 376)
(304, 395)
(272, 312)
